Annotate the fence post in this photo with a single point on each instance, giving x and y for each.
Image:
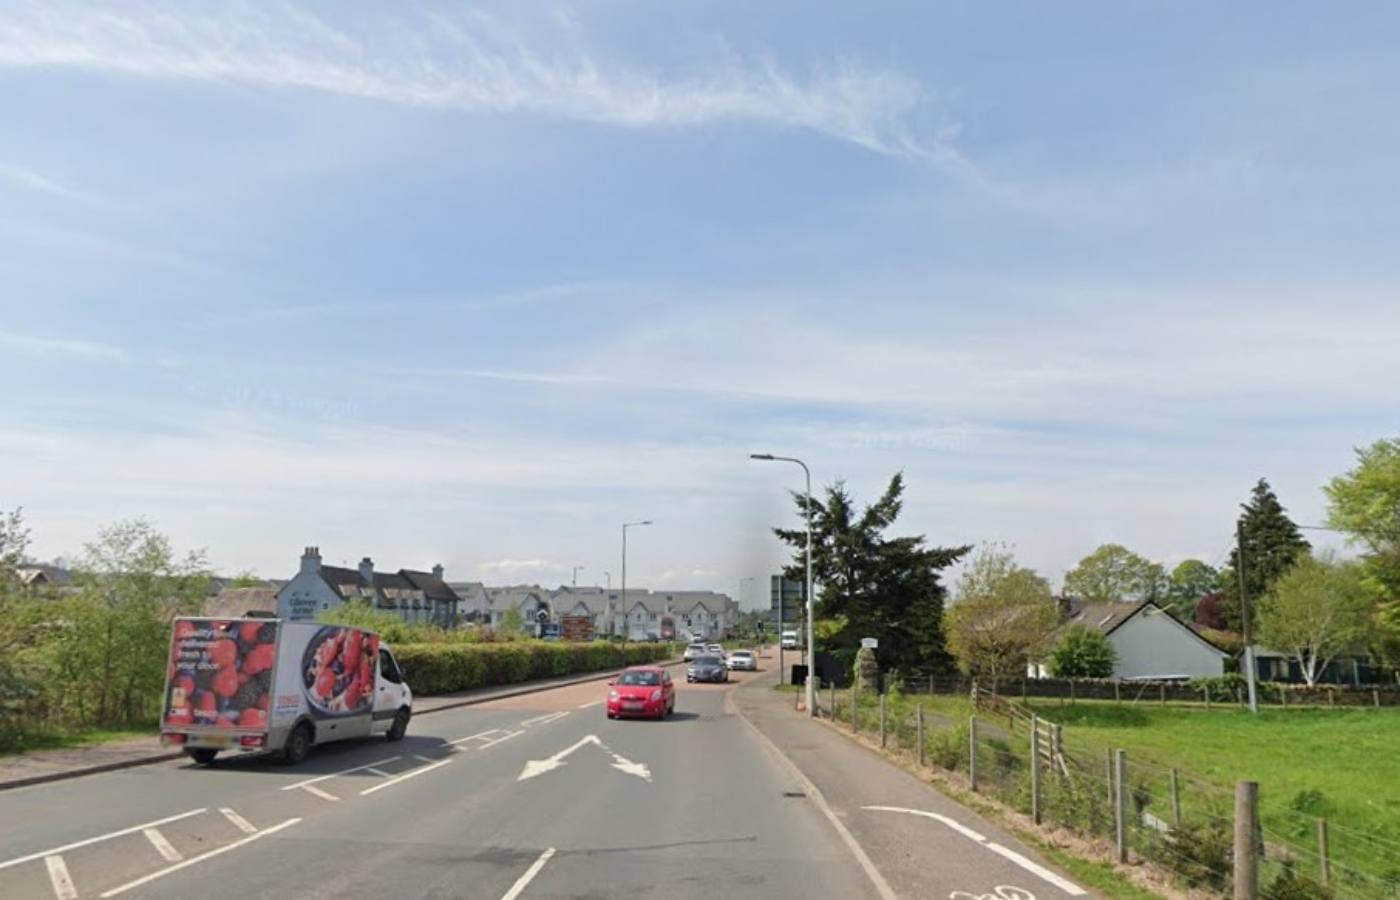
(1331, 697)
(1112, 791)
(1176, 800)
(1071, 692)
(930, 684)
(1120, 803)
(1207, 696)
(1323, 859)
(919, 730)
(1376, 697)
(855, 710)
(972, 751)
(1035, 769)
(1023, 690)
(882, 721)
(1117, 698)
(1246, 840)
(1162, 690)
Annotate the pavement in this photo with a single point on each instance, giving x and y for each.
(521, 797)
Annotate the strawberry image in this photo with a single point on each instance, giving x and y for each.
(226, 683)
(223, 653)
(206, 701)
(252, 718)
(366, 671)
(325, 685)
(184, 630)
(351, 656)
(259, 659)
(353, 692)
(183, 685)
(181, 716)
(264, 700)
(225, 722)
(326, 652)
(249, 632)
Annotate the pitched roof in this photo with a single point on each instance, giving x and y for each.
(433, 587)
(1108, 617)
(235, 603)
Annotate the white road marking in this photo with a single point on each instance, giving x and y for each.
(524, 880)
(62, 882)
(405, 776)
(101, 837)
(324, 795)
(1031, 866)
(536, 767)
(160, 873)
(163, 847)
(587, 705)
(480, 735)
(368, 766)
(882, 887)
(238, 821)
(508, 735)
(541, 720)
(373, 771)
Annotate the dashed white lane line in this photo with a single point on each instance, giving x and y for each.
(405, 776)
(324, 795)
(1069, 887)
(587, 705)
(238, 821)
(523, 881)
(366, 766)
(193, 860)
(480, 735)
(541, 720)
(373, 771)
(62, 882)
(163, 847)
(507, 736)
(101, 837)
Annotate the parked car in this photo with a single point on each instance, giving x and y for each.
(743, 659)
(707, 668)
(789, 640)
(642, 691)
(714, 649)
(693, 652)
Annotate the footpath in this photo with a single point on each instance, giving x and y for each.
(912, 840)
(39, 766)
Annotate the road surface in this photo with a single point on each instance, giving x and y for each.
(539, 796)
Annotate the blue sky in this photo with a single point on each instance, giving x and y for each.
(477, 283)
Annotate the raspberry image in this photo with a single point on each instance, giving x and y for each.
(253, 718)
(226, 683)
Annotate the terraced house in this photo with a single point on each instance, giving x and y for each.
(418, 598)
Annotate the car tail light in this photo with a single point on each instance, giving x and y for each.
(251, 740)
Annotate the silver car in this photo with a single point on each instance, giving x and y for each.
(742, 659)
(693, 652)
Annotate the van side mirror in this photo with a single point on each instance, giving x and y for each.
(612, 684)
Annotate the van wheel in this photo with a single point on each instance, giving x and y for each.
(399, 728)
(298, 745)
(203, 756)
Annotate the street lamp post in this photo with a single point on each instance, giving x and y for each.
(612, 619)
(575, 579)
(740, 599)
(811, 648)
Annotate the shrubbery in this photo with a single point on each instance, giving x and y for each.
(446, 668)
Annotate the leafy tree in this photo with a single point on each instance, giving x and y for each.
(886, 588)
(1003, 616)
(1210, 612)
(1272, 544)
(14, 544)
(246, 579)
(512, 624)
(1113, 572)
(1190, 581)
(1365, 503)
(1083, 652)
(1315, 611)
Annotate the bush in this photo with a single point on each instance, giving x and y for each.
(1293, 885)
(1198, 852)
(1083, 652)
(1230, 688)
(948, 749)
(446, 668)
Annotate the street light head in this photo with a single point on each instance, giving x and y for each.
(767, 456)
(646, 522)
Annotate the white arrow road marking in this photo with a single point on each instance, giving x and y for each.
(524, 880)
(1069, 887)
(238, 821)
(622, 764)
(194, 860)
(163, 847)
(62, 882)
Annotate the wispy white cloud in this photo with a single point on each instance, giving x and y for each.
(473, 63)
(35, 345)
(34, 181)
(517, 566)
(556, 378)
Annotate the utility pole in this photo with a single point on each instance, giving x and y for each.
(807, 597)
(1249, 668)
(612, 619)
(576, 570)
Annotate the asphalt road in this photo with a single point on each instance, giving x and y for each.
(695, 806)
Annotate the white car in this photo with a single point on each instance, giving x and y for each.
(715, 650)
(789, 640)
(694, 651)
(742, 659)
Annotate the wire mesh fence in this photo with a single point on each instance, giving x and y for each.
(1177, 820)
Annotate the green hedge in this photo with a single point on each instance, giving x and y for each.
(448, 668)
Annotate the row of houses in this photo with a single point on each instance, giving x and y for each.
(641, 615)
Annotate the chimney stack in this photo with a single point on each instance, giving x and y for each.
(367, 570)
(311, 560)
(437, 571)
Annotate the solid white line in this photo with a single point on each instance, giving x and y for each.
(238, 821)
(1069, 887)
(405, 776)
(163, 847)
(587, 705)
(159, 873)
(882, 887)
(1034, 868)
(508, 736)
(369, 766)
(324, 795)
(524, 880)
(101, 837)
(62, 882)
(540, 720)
(473, 737)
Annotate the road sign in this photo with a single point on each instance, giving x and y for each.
(576, 628)
(869, 643)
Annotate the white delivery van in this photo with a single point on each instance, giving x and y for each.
(789, 640)
(260, 685)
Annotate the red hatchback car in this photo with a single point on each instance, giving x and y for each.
(644, 691)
